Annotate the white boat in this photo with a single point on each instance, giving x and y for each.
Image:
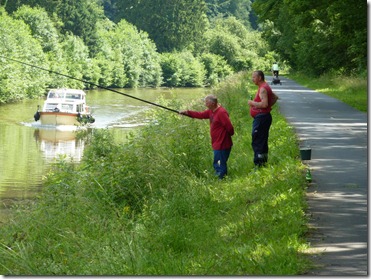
(64, 107)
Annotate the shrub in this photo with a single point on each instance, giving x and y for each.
(182, 69)
(243, 49)
(19, 81)
(151, 206)
(217, 69)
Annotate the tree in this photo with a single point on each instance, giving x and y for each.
(140, 60)
(243, 49)
(239, 9)
(171, 24)
(76, 57)
(317, 36)
(216, 68)
(126, 56)
(77, 16)
(182, 69)
(19, 81)
(42, 27)
(44, 31)
(80, 18)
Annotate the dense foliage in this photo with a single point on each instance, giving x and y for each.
(76, 17)
(78, 40)
(316, 37)
(241, 48)
(152, 206)
(38, 42)
(18, 42)
(240, 9)
(126, 43)
(173, 25)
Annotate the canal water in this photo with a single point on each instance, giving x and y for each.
(28, 149)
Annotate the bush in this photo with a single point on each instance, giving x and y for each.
(19, 81)
(182, 69)
(217, 69)
(243, 49)
(151, 206)
(126, 57)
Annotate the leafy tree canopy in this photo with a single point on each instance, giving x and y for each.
(240, 9)
(171, 24)
(317, 36)
(78, 17)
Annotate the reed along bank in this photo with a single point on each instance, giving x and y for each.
(150, 205)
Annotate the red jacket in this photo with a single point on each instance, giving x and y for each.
(221, 128)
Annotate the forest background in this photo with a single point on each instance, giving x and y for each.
(191, 43)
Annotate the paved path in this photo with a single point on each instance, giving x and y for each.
(337, 196)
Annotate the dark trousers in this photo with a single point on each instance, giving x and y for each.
(260, 134)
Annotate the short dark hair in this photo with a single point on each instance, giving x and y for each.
(261, 74)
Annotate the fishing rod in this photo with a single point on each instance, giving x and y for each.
(91, 83)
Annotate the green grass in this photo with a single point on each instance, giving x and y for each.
(152, 206)
(350, 90)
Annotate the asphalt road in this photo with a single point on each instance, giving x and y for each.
(337, 196)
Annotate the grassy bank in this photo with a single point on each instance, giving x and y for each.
(350, 90)
(152, 206)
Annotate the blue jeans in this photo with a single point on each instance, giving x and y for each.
(220, 162)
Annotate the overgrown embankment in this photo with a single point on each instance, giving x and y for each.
(152, 206)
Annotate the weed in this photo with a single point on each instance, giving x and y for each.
(151, 206)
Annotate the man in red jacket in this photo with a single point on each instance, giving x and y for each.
(221, 132)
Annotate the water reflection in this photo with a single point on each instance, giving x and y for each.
(56, 143)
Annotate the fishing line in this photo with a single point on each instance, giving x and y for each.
(91, 83)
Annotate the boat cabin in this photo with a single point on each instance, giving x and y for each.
(65, 100)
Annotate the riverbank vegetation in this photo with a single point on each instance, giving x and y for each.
(152, 206)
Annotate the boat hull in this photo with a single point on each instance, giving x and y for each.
(58, 118)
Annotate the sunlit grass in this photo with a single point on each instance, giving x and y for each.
(350, 90)
(151, 205)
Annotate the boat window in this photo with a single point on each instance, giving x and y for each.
(54, 95)
(50, 106)
(67, 107)
(73, 96)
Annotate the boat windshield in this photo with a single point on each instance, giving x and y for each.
(67, 108)
(73, 96)
(50, 106)
(59, 107)
(55, 95)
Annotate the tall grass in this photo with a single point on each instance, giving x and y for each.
(350, 90)
(152, 206)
